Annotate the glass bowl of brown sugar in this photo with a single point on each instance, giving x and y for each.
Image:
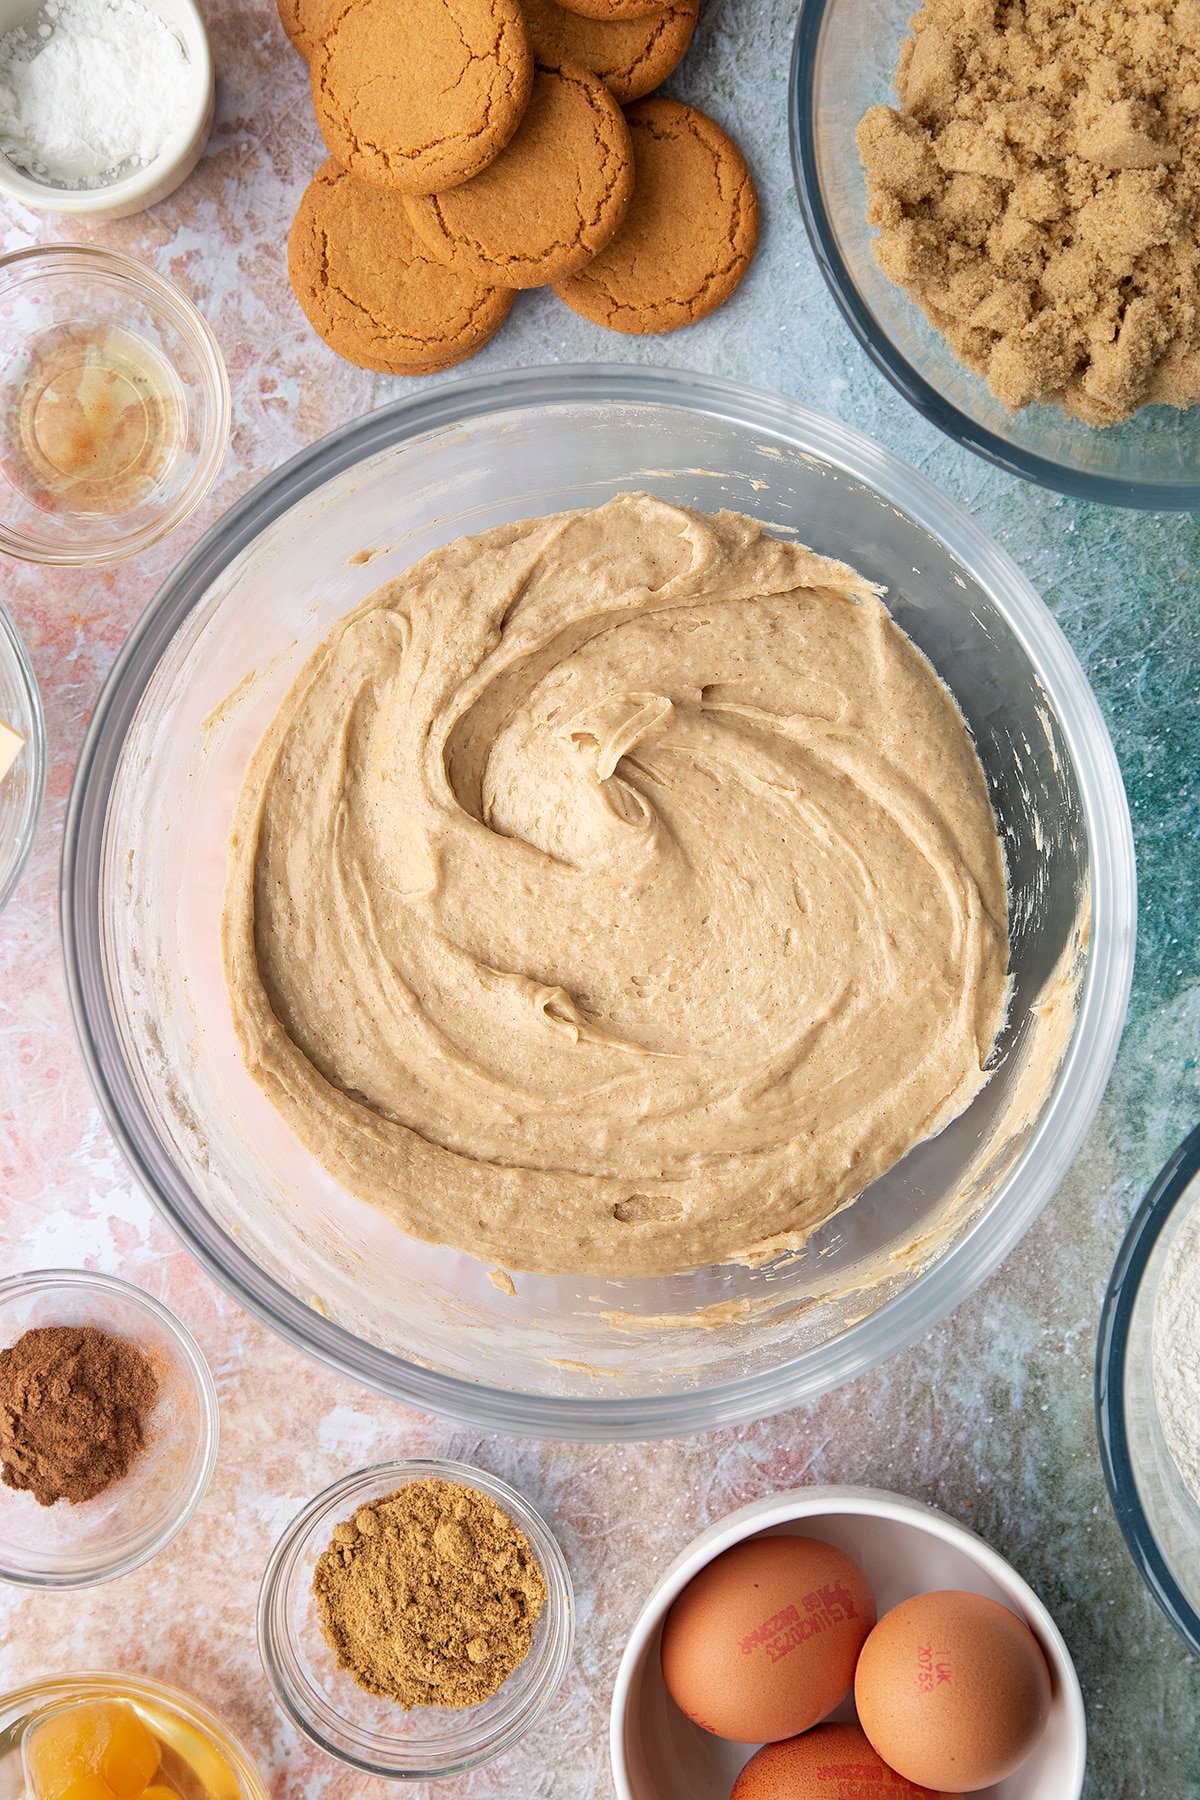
(476, 1609)
(108, 1428)
(844, 63)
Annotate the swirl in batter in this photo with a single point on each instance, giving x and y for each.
(617, 892)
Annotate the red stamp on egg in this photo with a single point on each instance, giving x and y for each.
(786, 1630)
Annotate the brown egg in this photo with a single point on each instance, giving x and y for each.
(834, 1762)
(762, 1643)
(952, 1690)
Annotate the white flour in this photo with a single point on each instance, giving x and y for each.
(89, 90)
(1177, 1350)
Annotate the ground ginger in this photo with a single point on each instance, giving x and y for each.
(430, 1596)
(1038, 195)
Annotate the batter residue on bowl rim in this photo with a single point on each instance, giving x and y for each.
(617, 892)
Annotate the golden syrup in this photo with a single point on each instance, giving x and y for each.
(190, 1763)
(100, 419)
(113, 1748)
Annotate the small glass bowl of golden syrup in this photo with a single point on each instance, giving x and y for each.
(114, 405)
(118, 1737)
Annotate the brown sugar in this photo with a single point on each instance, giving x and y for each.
(73, 1404)
(429, 1597)
(1038, 194)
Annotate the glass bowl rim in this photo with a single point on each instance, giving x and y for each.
(1141, 1240)
(36, 748)
(27, 1283)
(139, 1686)
(55, 259)
(337, 1499)
(1043, 471)
(1054, 1138)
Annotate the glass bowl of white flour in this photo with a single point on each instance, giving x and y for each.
(1148, 1389)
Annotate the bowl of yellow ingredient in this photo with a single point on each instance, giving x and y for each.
(22, 755)
(1022, 265)
(121, 1736)
(619, 1348)
(114, 406)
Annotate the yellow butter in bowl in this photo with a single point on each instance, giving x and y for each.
(11, 745)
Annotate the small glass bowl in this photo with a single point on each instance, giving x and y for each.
(61, 305)
(1158, 1515)
(21, 790)
(377, 1736)
(172, 1714)
(844, 61)
(75, 1546)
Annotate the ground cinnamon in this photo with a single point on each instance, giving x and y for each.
(73, 1405)
(429, 1597)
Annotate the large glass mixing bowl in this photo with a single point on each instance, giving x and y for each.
(843, 61)
(144, 869)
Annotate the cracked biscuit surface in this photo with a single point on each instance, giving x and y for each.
(420, 94)
(689, 234)
(631, 56)
(304, 22)
(552, 200)
(372, 290)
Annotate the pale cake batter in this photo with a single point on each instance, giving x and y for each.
(617, 892)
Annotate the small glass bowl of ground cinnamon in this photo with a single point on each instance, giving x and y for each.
(416, 1619)
(108, 1428)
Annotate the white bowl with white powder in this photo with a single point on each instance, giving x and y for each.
(1148, 1389)
(105, 105)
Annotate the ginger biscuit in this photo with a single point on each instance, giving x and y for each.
(372, 290)
(631, 56)
(688, 236)
(304, 22)
(420, 94)
(551, 200)
(614, 9)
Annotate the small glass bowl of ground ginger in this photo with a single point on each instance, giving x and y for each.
(108, 1428)
(416, 1619)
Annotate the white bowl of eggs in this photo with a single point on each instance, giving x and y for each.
(843, 1641)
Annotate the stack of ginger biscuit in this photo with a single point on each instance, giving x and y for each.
(478, 147)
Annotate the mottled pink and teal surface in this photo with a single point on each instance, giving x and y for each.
(990, 1417)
